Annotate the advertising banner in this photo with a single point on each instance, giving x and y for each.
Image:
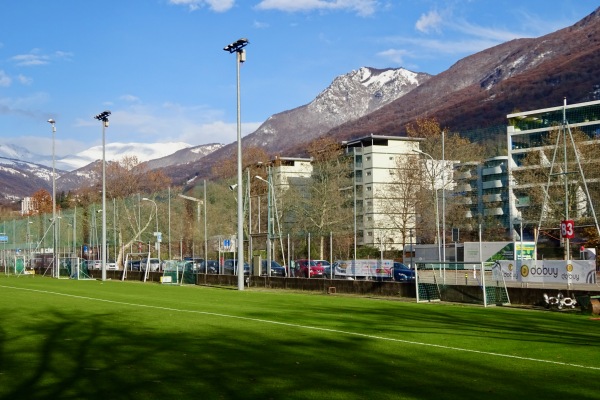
(548, 271)
(364, 269)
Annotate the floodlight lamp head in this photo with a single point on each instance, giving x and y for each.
(51, 121)
(238, 45)
(232, 187)
(103, 116)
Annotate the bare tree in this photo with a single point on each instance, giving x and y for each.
(400, 196)
(319, 208)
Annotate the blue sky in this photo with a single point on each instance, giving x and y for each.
(159, 65)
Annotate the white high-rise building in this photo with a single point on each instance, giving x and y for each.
(383, 217)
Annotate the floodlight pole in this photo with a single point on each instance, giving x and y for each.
(55, 269)
(103, 117)
(238, 48)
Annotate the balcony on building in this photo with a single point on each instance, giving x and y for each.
(496, 211)
(496, 183)
(491, 198)
(463, 188)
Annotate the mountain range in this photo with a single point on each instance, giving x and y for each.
(476, 92)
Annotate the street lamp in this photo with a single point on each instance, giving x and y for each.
(237, 47)
(201, 202)
(103, 117)
(157, 233)
(54, 258)
(437, 216)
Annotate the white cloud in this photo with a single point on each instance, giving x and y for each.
(27, 60)
(260, 25)
(495, 34)
(169, 122)
(25, 80)
(5, 80)
(456, 46)
(431, 21)
(130, 98)
(394, 55)
(362, 7)
(35, 58)
(214, 5)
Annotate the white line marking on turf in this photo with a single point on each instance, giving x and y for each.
(316, 328)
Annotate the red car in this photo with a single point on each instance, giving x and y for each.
(301, 269)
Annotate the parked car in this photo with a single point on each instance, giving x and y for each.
(111, 266)
(402, 273)
(276, 268)
(94, 264)
(197, 263)
(153, 264)
(134, 265)
(301, 269)
(212, 265)
(230, 267)
(326, 266)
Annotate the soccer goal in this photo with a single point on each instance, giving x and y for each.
(74, 268)
(480, 283)
(133, 262)
(170, 274)
(178, 273)
(426, 281)
(21, 266)
(494, 289)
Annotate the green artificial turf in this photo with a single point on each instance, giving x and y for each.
(65, 339)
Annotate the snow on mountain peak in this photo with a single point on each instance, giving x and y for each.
(378, 78)
(116, 152)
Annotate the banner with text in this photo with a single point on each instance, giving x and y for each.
(547, 271)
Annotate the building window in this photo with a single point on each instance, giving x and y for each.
(368, 188)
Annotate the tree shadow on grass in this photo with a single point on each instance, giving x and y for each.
(120, 356)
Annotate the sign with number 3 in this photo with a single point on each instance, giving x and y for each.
(567, 229)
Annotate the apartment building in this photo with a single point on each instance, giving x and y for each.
(530, 132)
(383, 217)
(482, 188)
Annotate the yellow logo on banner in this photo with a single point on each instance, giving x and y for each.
(569, 267)
(524, 271)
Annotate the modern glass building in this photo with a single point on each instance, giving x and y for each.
(540, 141)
